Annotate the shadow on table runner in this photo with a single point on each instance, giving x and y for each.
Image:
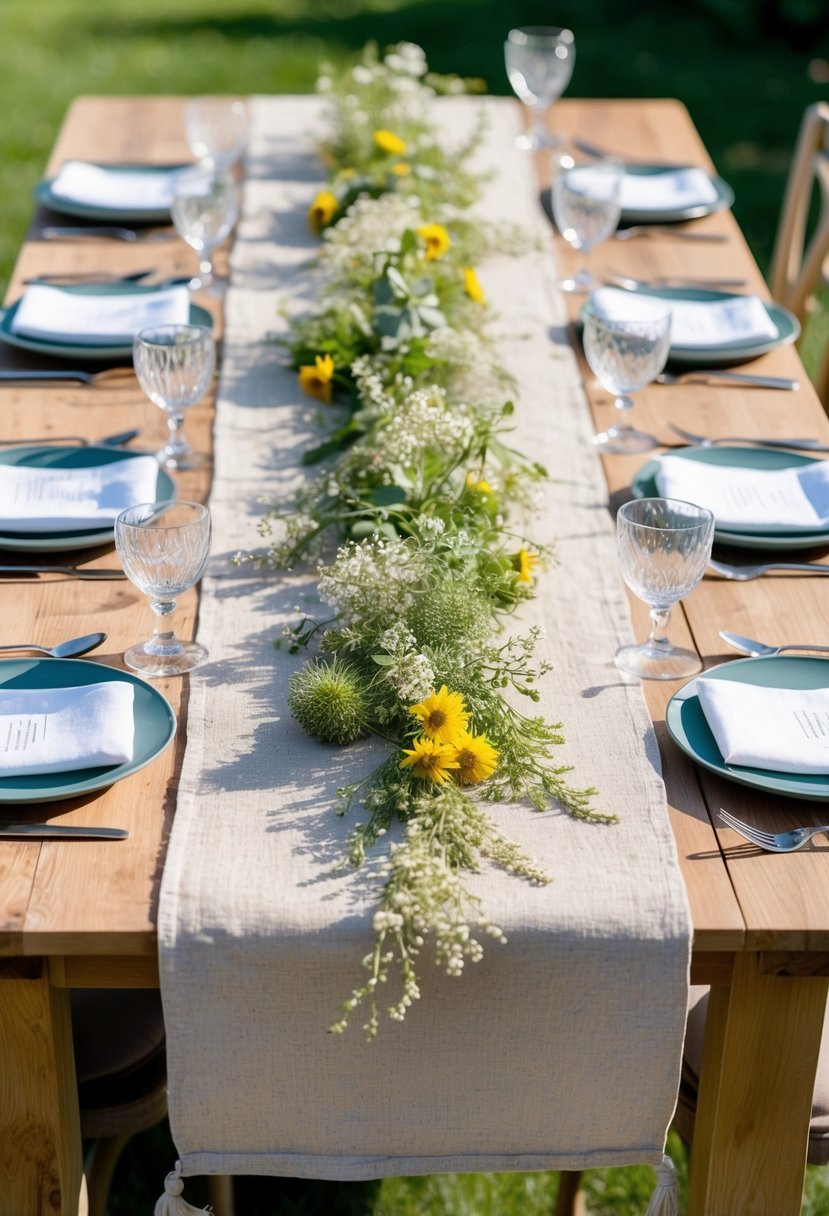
(560, 1049)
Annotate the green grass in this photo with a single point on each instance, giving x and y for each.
(746, 87)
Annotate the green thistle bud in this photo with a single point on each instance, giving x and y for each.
(331, 701)
(450, 612)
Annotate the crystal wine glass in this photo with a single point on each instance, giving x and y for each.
(585, 194)
(164, 547)
(625, 355)
(539, 61)
(664, 546)
(174, 365)
(205, 208)
(216, 129)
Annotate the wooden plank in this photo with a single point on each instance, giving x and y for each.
(40, 1142)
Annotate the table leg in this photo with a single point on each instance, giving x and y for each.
(757, 1078)
(40, 1143)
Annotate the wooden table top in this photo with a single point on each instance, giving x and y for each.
(101, 899)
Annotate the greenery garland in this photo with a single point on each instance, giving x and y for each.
(420, 486)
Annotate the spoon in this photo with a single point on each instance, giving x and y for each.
(760, 649)
(66, 650)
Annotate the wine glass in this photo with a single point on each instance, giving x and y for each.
(205, 207)
(163, 547)
(664, 546)
(586, 199)
(216, 129)
(174, 365)
(539, 61)
(625, 355)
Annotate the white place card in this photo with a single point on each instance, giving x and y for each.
(751, 500)
(669, 190)
(116, 189)
(56, 730)
(51, 313)
(785, 730)
(47, 499)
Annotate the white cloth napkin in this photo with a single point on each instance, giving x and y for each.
(93, 319)
(669, 190)
(58, 730)
(751, 500)
(118, 189)
(782, 729)
(41, 499)
(694, 323)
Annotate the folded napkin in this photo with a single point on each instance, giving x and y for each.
(782, 729)
(97, 318)
(58, 730)
(41, 499)
(751, 500)
(694, 323)
(668, 190)
(119, 189)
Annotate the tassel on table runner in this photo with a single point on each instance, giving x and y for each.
(171, 1202)
(665, 1199)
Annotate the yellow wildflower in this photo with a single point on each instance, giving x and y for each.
(443, 715)
(322, 210)
(431, 760)
(472, 285)
(526, 562)
(479, 484)
(315, 378)
(387, 141)
(437, 240)
(348, 172)
(477, 759)
(401, 169)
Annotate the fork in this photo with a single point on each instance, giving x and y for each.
(93, 573)
(704, 441)
(33, 376)
(665, 230)
(772, 842)
(742, 574)
(629, 283)
(108, 232)
(704, 374)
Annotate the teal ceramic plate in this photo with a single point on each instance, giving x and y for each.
(689, 730)
(80, 350)
(644, 486)
(50, 456)
(725, 354)
(675, 215)
(90, 211)
(155, 725)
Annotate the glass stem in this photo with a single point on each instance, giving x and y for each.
(164, 640)
(177, 444)
(206, 268)
(658, 637)
(623, 403)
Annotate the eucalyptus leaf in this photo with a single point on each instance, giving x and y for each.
(388, 496)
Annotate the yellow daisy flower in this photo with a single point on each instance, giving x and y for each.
(431, 760)
(443, 715)
(401, 169)
(322, 210)
(480, 484)
(387, 141)
(472, 285)
(315, 378)
(436, 239)
(477, 759)
(526, 562)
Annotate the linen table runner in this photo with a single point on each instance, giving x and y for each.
(560, 1049)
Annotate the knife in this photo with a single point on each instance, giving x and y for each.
(59, 831)
(72, 571)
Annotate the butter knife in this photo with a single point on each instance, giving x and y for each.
(72, 571)
(58, 831)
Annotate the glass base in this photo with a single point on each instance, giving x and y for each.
(532, 141)
(143, 659)
(652, 661)
(181, 460)
(209, 285)
(624, 441)
(579, 283)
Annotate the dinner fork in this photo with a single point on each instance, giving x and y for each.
(704, 374)
(118, 440)
(669, 231)
(93, 573)
(629, 283)
(742, 574)
(38, 375)
(108, 232)
(704, 441)
(772, 842)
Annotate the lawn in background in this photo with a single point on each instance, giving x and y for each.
(746, 85)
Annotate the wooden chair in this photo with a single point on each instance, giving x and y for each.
(122, 1083)
(797, 264)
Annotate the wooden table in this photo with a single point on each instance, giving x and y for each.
(80, 917)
